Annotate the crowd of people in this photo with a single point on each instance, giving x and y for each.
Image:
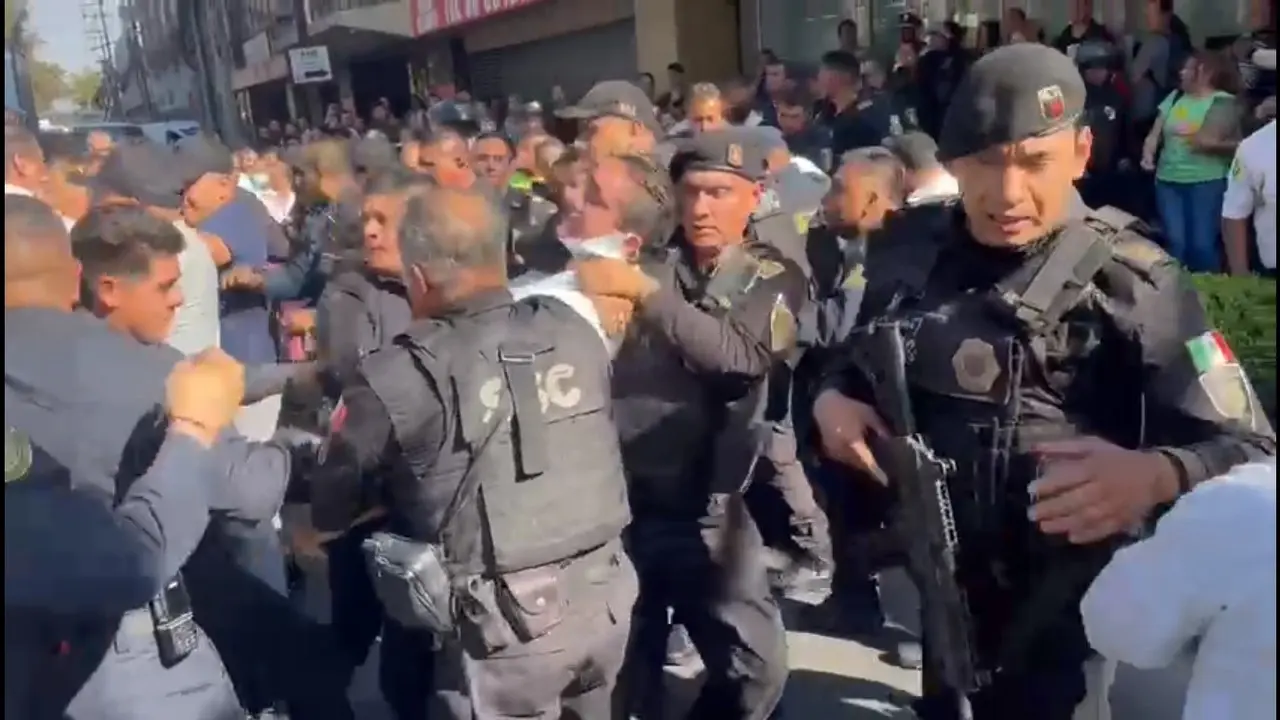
(557, 399)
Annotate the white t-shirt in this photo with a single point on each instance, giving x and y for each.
(16, 190)
(195, 326)
(1204, 582)
(1251, 189)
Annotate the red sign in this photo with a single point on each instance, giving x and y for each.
(434, 15)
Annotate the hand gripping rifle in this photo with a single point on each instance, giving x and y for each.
(924, 518)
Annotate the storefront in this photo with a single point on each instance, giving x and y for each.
(801, 31)
(261, 89)
(574, 61)
(529, 46)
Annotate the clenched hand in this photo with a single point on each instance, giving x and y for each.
(614, 278)
(203, 394)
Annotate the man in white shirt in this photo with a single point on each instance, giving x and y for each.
(142, 174)
(927, 180)
(1251, 194)
(25, 171)
(1205, 582)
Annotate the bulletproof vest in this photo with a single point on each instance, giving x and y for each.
(530, 471)
(993, 373)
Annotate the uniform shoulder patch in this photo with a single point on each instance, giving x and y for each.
(782, 326)
(736, 273)
(767, 268)
(17, 455)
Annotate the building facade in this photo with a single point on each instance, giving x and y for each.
(236, 63)
(802, 30)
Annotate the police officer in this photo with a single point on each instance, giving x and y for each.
(867, 186)
(74, 565)
(791, 198)
(862, 117)
(360, 312)
(67, 628)
(714, 315)
(490, 423)
(236, 577)
(1063, 365)
(618, 119)
(1104, 180)
(804, 137)
(456, 116)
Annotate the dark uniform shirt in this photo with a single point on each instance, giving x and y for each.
(814, 144)
(865, 123)
(1105, 112)
(709, 361)
(69, 551)
(1009, 347)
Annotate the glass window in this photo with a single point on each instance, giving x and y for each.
(800, 30)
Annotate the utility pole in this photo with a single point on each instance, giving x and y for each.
(310, 91)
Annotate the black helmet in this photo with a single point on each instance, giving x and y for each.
(453, 115)
(1095, 54)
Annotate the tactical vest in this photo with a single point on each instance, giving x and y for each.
(994, 373)
(388, 313)
(530, 472)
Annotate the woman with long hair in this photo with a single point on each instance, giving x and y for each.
(1189, 148)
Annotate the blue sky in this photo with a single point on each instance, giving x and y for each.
(60, 23)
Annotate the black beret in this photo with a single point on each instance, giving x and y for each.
(1014, 93)
(736, 150)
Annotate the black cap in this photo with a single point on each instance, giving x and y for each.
(1013, 93)
(614, 98)
(915, 149)
(736, 150)
(910, 19)
(200, 155)
(140, 171)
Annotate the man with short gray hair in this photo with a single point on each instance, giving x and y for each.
(25, 170)
(503, 476)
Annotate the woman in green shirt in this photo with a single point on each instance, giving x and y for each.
(1189, 149)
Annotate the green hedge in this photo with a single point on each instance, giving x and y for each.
(1244, 310)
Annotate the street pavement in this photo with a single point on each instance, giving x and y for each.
(832, 678)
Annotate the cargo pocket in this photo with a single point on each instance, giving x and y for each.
(533, 602)
(481, 626)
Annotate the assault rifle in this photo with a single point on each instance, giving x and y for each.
(923, 518)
